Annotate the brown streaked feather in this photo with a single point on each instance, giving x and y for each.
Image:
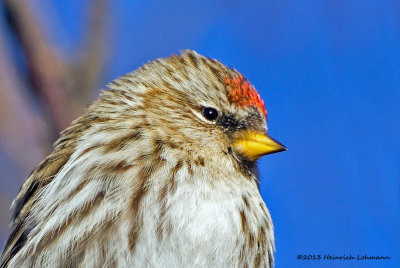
(24, 202)
(53, 237)
(143, 176)
(40, 177)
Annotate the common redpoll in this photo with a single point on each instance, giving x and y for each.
(160, 171)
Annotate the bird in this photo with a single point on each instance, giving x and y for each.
(159, 171)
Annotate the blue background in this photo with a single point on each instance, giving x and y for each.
(329, 73)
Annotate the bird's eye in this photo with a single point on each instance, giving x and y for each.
(210, 113)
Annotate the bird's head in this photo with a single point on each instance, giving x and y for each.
(200, 106)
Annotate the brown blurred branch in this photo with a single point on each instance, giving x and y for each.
(44, 66)
(62, 86)
(19, 132)
(91, 64)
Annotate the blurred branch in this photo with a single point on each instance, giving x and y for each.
(44, 66)
(93, 54)
(62, 86)
(19, 131)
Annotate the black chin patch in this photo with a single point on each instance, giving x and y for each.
(251, 166)
(247, 167)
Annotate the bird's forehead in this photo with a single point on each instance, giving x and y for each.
(242, 93)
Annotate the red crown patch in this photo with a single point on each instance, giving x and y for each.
(243, 94)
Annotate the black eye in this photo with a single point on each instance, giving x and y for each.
(210, 113)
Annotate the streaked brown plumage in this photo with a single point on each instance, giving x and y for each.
(159, 171)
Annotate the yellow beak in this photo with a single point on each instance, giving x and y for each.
(253, 144)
